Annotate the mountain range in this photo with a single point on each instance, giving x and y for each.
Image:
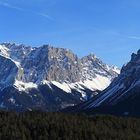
(48, 78)
(121, 97)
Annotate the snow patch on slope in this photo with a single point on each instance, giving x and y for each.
(64, 86)
(21, 86)
(98, 83)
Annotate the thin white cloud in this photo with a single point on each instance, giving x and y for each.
(44, 15)
(7, 5)
(10, 6)
(134, 37)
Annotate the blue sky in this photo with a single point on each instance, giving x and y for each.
(108, 28)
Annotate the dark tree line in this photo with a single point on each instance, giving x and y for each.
(59, 126)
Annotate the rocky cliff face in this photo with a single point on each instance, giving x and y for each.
(26, 68)
(51, 64)
(92, 66)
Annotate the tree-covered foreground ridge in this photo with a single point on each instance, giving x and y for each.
(60, 126)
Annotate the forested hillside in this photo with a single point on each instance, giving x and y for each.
(59, 126)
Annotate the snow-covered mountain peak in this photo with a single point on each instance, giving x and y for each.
(54, 64)
(37, 72)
